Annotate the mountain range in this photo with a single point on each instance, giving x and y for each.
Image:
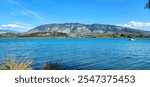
(78, 29)
(7, 31)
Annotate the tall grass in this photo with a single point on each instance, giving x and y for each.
(11, 64)
(26, 64)
(54, 65)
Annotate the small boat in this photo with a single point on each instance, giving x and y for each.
(132, 39)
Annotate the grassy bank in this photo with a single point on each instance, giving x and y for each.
(26, 64)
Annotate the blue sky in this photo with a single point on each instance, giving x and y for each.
(22, 15)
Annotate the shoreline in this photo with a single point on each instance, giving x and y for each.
(67, 38)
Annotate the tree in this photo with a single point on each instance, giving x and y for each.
(148, 4)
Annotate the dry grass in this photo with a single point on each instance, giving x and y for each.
(11, 64)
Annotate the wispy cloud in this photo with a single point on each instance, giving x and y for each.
(137, 25)
(13, 2)
(40, 1)
(112, 1)
(20, 10)
(17, 26)
(28, 14)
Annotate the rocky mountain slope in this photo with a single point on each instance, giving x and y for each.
(78, 29)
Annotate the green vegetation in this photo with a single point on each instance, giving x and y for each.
(148, 4)
(115, 36)
(123, 36)
(47, 34)
(54, 65)
(7, 35)
(64, 35)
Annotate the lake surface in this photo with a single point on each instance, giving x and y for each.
(81, 53)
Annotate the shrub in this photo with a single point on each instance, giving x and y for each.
(11, 64)
(54, 65)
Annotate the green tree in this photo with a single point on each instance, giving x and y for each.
(122, 35)
(148, 4)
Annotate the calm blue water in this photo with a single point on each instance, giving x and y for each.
(93, 54)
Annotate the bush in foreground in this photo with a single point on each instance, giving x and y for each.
(26, 64)
(11, 64)
(54, 65)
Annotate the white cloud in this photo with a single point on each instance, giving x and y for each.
(17, 26)
(11, 26)
(137, 25)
